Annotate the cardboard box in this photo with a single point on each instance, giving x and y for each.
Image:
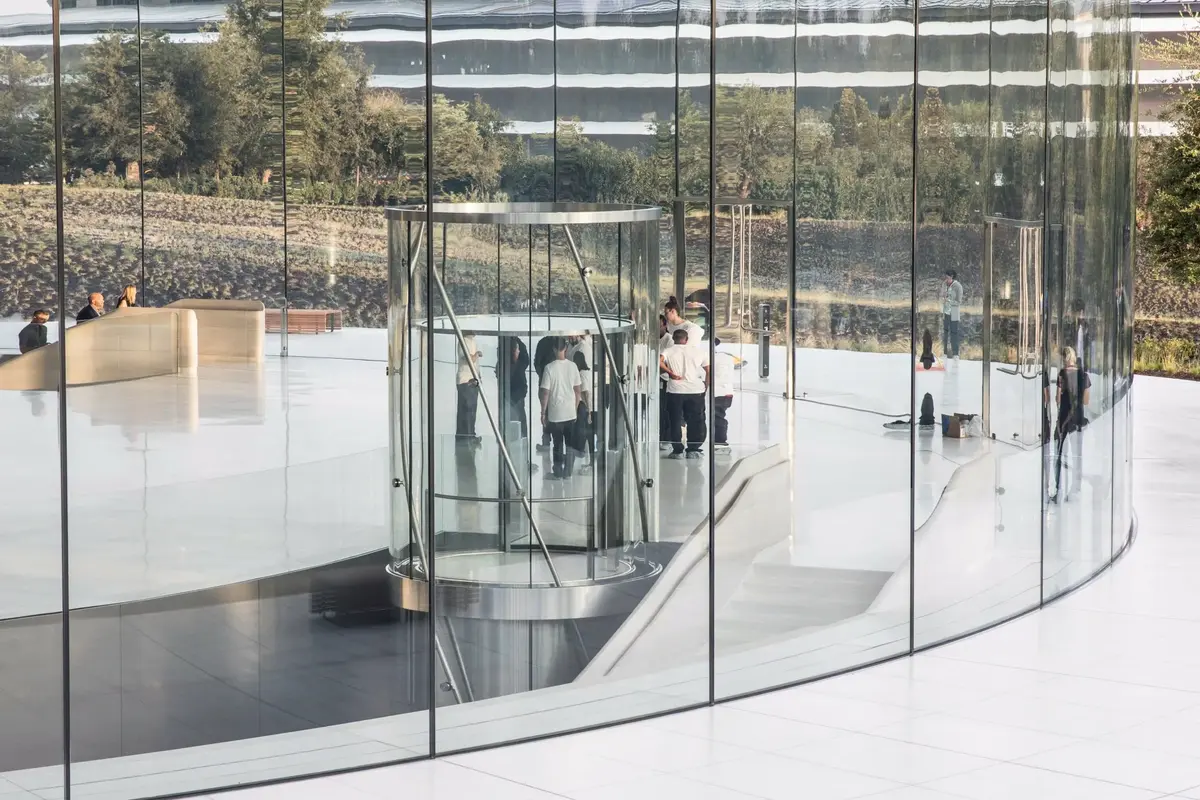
(955, 426)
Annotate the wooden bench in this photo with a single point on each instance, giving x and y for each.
(305, 320)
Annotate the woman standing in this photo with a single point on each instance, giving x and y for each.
(128, 298)
(1072, 393)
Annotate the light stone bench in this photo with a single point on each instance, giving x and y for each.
(125, 345)
(228, 330)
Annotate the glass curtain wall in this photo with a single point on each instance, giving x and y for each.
(898, 235)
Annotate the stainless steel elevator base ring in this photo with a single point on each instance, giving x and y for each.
(617, 594)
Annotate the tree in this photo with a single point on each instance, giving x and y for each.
(25, 135)
(1173, 174)
(101, 108)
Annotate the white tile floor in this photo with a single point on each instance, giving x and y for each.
(1094, 698)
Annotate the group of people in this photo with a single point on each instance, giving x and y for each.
(566, 392)
(33, 335)
(563, 365)
(687, 375)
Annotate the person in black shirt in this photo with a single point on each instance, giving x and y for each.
(543, 354)
(1072, 395)
(33, 335)
(93, 309)
(518, 383)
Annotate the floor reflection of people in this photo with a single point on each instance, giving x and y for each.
(37, 403)
(1072, 396)
(468, 392)
(560, 396)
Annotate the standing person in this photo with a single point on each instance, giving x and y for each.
(584, 438)
(579, 350)
(1081, 336)
(1072, 396)
(468, 392)
(952, 295)
(559, 392)
(722, 379)
(543, 354)
(128, 298)
(664, 420)
(687, 371)
(93, 310)
(33, 335)
(676, 321)
(518, 383)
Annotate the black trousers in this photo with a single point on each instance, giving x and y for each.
(516, 413)
(468, 406)
(686, 409)
(720, 423)
(1061, 438)
(664, 416)
(584, 437)
(561, 434)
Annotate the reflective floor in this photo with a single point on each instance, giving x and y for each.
(1096, 697)
(223, 526)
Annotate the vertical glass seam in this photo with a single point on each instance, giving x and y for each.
(60, 259)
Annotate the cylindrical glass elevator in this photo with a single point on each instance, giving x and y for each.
(524, 522)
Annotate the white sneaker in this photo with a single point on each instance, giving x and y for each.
(694, 454)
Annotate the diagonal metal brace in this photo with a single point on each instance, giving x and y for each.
(608, 352)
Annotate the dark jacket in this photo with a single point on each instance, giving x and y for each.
(86, 313)
(543, 354)
(518, 380)
(31, 337)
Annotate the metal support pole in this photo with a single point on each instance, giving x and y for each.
(637, 466)
(989, 229)
(491, 418)
(764, 340)
(406, 483)
(462, 664)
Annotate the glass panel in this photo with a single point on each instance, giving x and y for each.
(830, 591)
(1079, 517)
(355, 121)
(31, 603)
(979, 238)
(232, 566)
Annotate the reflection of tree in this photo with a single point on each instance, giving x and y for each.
(24, 135)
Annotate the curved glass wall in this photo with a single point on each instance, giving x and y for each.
(295, 509)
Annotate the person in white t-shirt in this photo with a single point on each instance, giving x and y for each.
(676, 321)
(468, 392)
(687, 372)
(722, 379)
(560, 394)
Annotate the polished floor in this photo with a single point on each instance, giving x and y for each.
(1096, 697)
(216, 525)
